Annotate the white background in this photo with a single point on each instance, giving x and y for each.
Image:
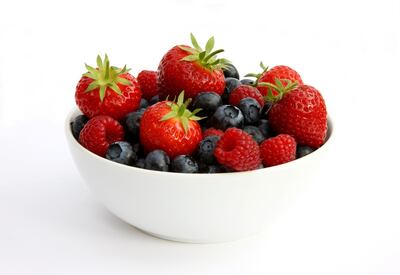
(349, 50)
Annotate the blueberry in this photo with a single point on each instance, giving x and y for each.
(246, 81)
(154, 100)
(77, 125)
(205, 152)
(184, 164)
(121, 152)
(227, 116)
(265, 128)
(250, 109)
(143, 104)
(131, 124)
(255, 132)
(208, 102)
(230, 71)
(230, 85)
(265, 110)
(211, 169)
(302, 151)
(157, 160)
(139, 163)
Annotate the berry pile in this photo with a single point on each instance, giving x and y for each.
(195, 115)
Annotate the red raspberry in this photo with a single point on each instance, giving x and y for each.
(244, 91)
(237, 150)
(212, 132)
(278, 150)
(148, 83)
(99, 132)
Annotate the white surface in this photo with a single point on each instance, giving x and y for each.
(348, 224)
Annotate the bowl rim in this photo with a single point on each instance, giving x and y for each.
(75, 111)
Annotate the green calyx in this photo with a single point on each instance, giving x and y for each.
(257, 76)
(180, 112)
(206, 58)
(106, 76)
(279, 87)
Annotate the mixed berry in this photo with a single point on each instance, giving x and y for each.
(195, 115)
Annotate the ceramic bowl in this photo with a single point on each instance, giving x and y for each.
(196, 208)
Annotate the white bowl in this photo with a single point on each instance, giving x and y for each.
(196, 208)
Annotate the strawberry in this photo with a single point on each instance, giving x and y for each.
(148, 83)
(192, 70)
(99, 132)
(300, 112)
(278, 150)
(281, 72)
(244, 91)
(107, 90)
(170, 127)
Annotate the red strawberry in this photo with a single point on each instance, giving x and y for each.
(213, 132)
(170, 127)
(107, 90)
(278, 150)
(301, 113)
(237, 150)
(192, 70)
(148, 83)
(99, 132)
(244, 91)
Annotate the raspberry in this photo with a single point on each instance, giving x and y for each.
(99, 132)
(244, 91)
(278, 150)
(212, 132)
(238, 151)
(148, 83)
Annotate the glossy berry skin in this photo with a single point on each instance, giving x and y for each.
(238, 151)
(303, 151)
(77, 125)
(212, 132)
(255, 133)
(302, 114)
(121, 152)
(278, 150)
(208, 102)
(184, 164)
(205, 153)
(250, 110)
(281, 72)
(265, 128)
(230, 71)
(99, 132)
(114, 105)
(244, 91)
(246, 81)
(168, 135)
(227, 116)
(148, 83)
(157, 160)
(131, 124)
(230, 85)
(176, 75)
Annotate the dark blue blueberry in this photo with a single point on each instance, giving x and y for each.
(143, 104)
(230, 85)
(184, 164)
(131, 125)
(227, 116)
(211, 169)
(157, 160)
(205, 153)
(265, 110)
(251, 110)
(230, 71)
(265, 128)
(154, 100)
(208, 102)
(77, 125)
(254, 132)
(246, 81)
(121, 152)
(302, 151)
(139, 163)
